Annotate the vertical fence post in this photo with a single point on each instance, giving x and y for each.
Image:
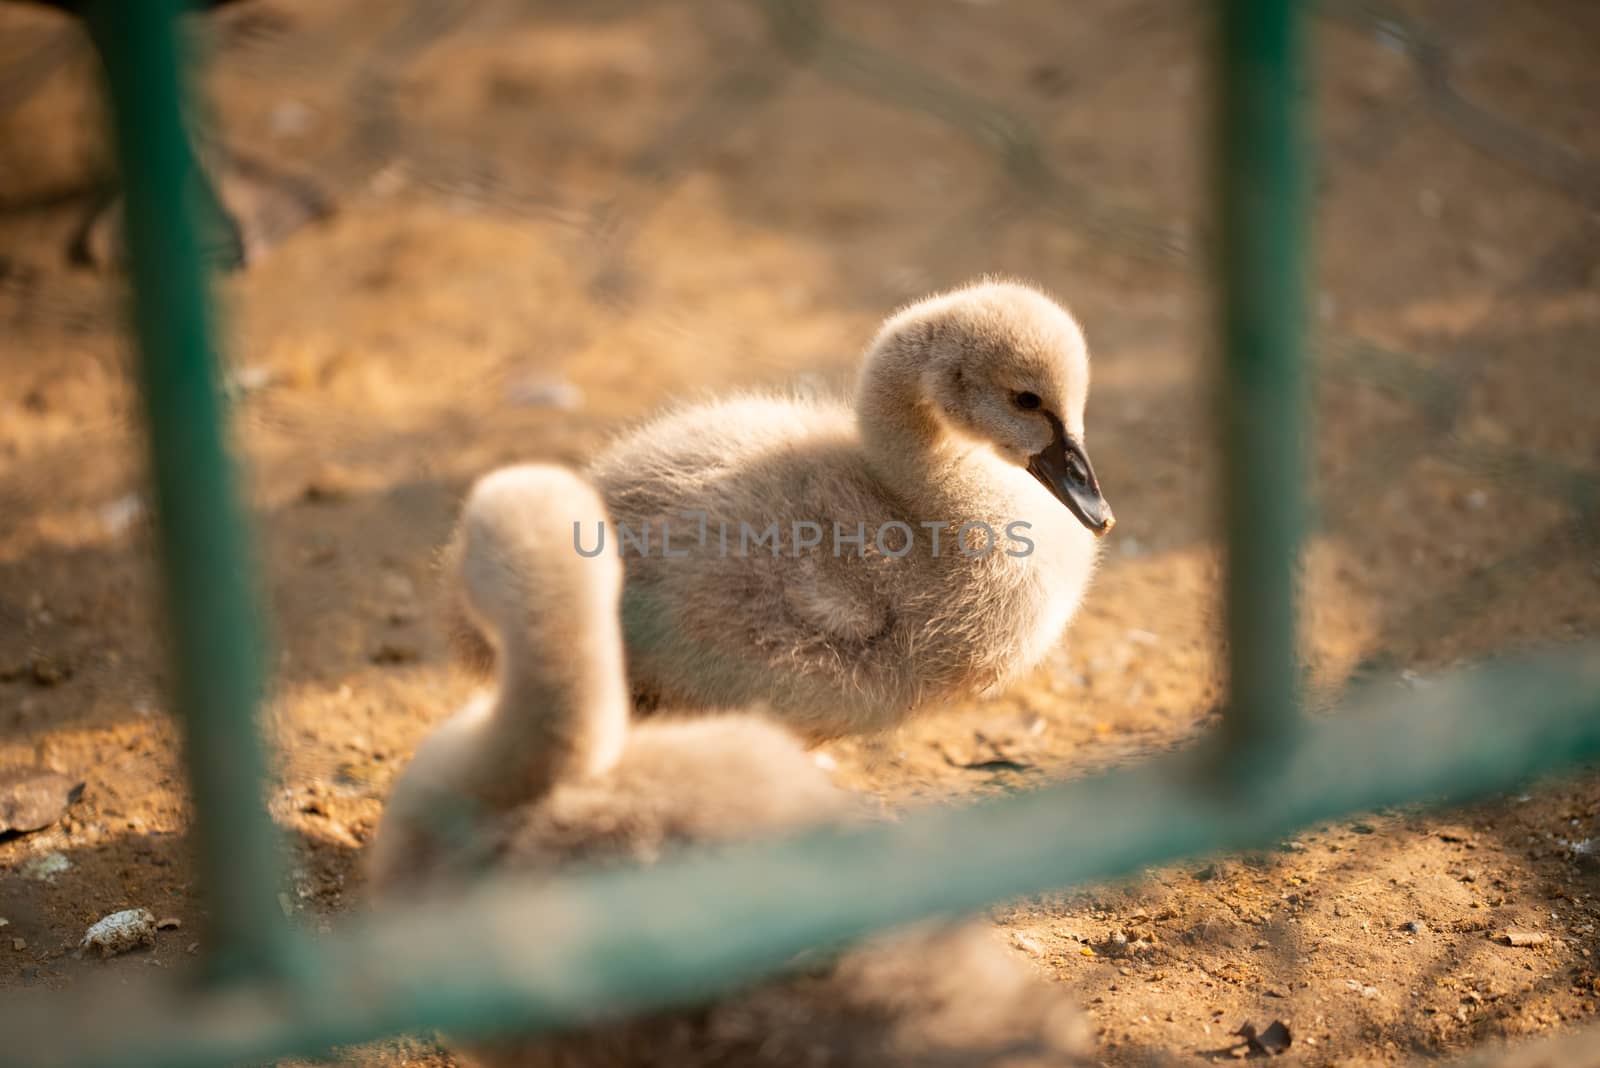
(1259, 182)
(209, 583)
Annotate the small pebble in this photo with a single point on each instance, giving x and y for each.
(289, 117)
(546, 394)
(47, 672)
(45, 868)
(120, 932)
(243, 381)
(1027, 945)
(398, 586)
(1521, 938)
(121, 514)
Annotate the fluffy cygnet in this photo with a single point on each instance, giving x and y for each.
(546, 772)
(849, 565)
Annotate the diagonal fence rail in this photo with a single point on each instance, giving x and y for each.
(517, 956)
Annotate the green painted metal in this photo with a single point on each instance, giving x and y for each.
(210, 591)
(1260, 170)
(533, 955)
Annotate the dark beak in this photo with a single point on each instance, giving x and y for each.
(1064, 469)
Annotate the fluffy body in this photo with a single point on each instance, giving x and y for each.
(845, 644)
(855, 641)
(546, 773)
(952, 997)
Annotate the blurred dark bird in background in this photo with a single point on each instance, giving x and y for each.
(236, 227)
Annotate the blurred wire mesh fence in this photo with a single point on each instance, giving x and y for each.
(349, 70)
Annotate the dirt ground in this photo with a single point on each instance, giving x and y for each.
(548, 222)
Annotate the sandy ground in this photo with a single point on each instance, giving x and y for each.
(548, 224)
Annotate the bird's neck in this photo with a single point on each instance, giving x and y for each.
(912, 451)
(560, 715)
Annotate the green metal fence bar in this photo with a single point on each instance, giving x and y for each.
(518, 954)
(209, 579)
(1260, 176)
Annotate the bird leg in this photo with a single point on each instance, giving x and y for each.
(243, 208)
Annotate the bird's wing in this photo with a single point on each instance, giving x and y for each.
(840, 603)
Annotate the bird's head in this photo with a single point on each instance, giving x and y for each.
(1001, 363)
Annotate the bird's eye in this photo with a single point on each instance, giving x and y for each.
(1027, 401)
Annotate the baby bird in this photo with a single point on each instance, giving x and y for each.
(546, 772)
(850, 566)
